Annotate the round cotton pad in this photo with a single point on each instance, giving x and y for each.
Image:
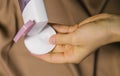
(39, 44)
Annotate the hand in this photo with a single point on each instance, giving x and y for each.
(74, 43)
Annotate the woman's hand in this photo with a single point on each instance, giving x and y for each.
(74, 43)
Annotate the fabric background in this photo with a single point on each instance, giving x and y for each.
(15, 60)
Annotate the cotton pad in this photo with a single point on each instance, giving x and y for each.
(39, 44)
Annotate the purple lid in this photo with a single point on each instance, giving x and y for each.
(24, 30)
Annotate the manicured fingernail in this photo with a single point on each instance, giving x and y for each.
(52, 40)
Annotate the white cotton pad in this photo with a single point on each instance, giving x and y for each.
(39, 44)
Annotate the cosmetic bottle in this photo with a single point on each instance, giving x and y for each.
(36, 29)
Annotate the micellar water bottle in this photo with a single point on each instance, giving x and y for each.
(37, 39)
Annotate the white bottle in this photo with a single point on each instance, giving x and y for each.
(37, 39)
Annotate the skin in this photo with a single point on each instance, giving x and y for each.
(74, 43)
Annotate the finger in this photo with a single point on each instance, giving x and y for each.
(73, 56)
(60, 39)
(54, 57)
(59, 48)
(63, 48)
(59, 57)
(70, 56)
(65, 28)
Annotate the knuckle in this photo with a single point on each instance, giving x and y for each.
(58, 38)
(73, 39)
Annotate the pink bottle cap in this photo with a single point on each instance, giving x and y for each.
(24, 30)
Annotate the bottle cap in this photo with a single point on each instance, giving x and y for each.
(24, 30)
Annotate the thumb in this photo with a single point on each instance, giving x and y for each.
(65, 28)
(61, 39)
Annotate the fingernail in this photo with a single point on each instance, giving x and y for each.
(52, 40)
